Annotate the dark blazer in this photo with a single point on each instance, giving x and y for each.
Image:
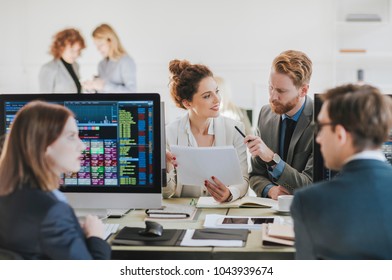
(298, 170)
(37, 225)
(348, 217)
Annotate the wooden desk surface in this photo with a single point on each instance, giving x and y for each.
(252, 249)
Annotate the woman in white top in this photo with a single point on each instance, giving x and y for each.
(194, 89)
(117, 70)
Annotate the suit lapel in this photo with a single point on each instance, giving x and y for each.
(273, 134)
(65, 73)
(182, 135)
(220, 131)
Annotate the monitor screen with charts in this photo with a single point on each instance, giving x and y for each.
(121, 165)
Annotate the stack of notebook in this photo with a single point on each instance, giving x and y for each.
(277, 235)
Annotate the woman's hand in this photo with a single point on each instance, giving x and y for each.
(93, 227)
(96, 84)
(88, 85)
(217, 189)
(171, 162)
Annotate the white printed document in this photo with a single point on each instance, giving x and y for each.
(201, 163)
(187, 240)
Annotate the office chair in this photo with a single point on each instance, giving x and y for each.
(9, 255)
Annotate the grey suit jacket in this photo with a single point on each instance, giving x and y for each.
(225, 135)
(348, 217)
(298, 169)
(55, 78)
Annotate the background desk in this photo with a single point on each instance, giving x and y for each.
(252, 249)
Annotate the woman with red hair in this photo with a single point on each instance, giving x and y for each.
(61, 75)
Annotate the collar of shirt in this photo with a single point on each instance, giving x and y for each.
(191, 139)
(59, 195)
(369, 154)
(296, 116)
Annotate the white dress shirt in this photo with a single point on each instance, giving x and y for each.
(179, 133)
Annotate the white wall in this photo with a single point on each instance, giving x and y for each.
(238, 39)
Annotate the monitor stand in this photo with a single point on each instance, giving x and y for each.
(101, 213)
(117, 213)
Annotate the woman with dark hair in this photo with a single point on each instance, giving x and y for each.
(35, 221)
(194, 89)
(61, 75)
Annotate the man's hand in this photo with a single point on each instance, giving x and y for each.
(275, 191)
(257, 147)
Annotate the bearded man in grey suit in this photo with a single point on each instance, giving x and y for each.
(349, 217)
(282, 153)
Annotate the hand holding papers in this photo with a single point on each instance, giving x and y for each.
(195, 165)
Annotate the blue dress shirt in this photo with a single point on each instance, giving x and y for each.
(278, 169)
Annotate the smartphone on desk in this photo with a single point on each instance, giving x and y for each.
(245, 222)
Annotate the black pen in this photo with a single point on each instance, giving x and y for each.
(239, 130)
(243, 135)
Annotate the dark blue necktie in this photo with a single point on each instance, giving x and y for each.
(290, 126)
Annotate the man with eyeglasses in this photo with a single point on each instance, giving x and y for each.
(282, 153)
(349, 217)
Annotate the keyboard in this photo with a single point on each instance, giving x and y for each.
(109, 229)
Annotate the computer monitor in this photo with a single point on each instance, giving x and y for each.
(121, 166)
(163, 145)
(320, 172)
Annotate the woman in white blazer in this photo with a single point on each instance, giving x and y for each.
(61, 75)
(194, 89)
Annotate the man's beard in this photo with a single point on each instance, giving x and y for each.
(281, 109)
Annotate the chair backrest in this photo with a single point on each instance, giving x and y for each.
(9, 255)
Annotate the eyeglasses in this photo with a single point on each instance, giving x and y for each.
(319, 126)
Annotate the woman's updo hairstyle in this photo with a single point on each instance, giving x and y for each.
(185, 79)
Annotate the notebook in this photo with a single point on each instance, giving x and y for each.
(277, 235)
(246, 201)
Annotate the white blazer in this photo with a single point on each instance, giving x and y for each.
(55, 78)
(225, 135)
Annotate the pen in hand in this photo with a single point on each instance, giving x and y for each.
(243, 134)
(239, 130)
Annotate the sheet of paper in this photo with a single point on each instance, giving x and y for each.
(188, 241)
(198, 164)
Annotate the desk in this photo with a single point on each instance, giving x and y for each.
(252, 249)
